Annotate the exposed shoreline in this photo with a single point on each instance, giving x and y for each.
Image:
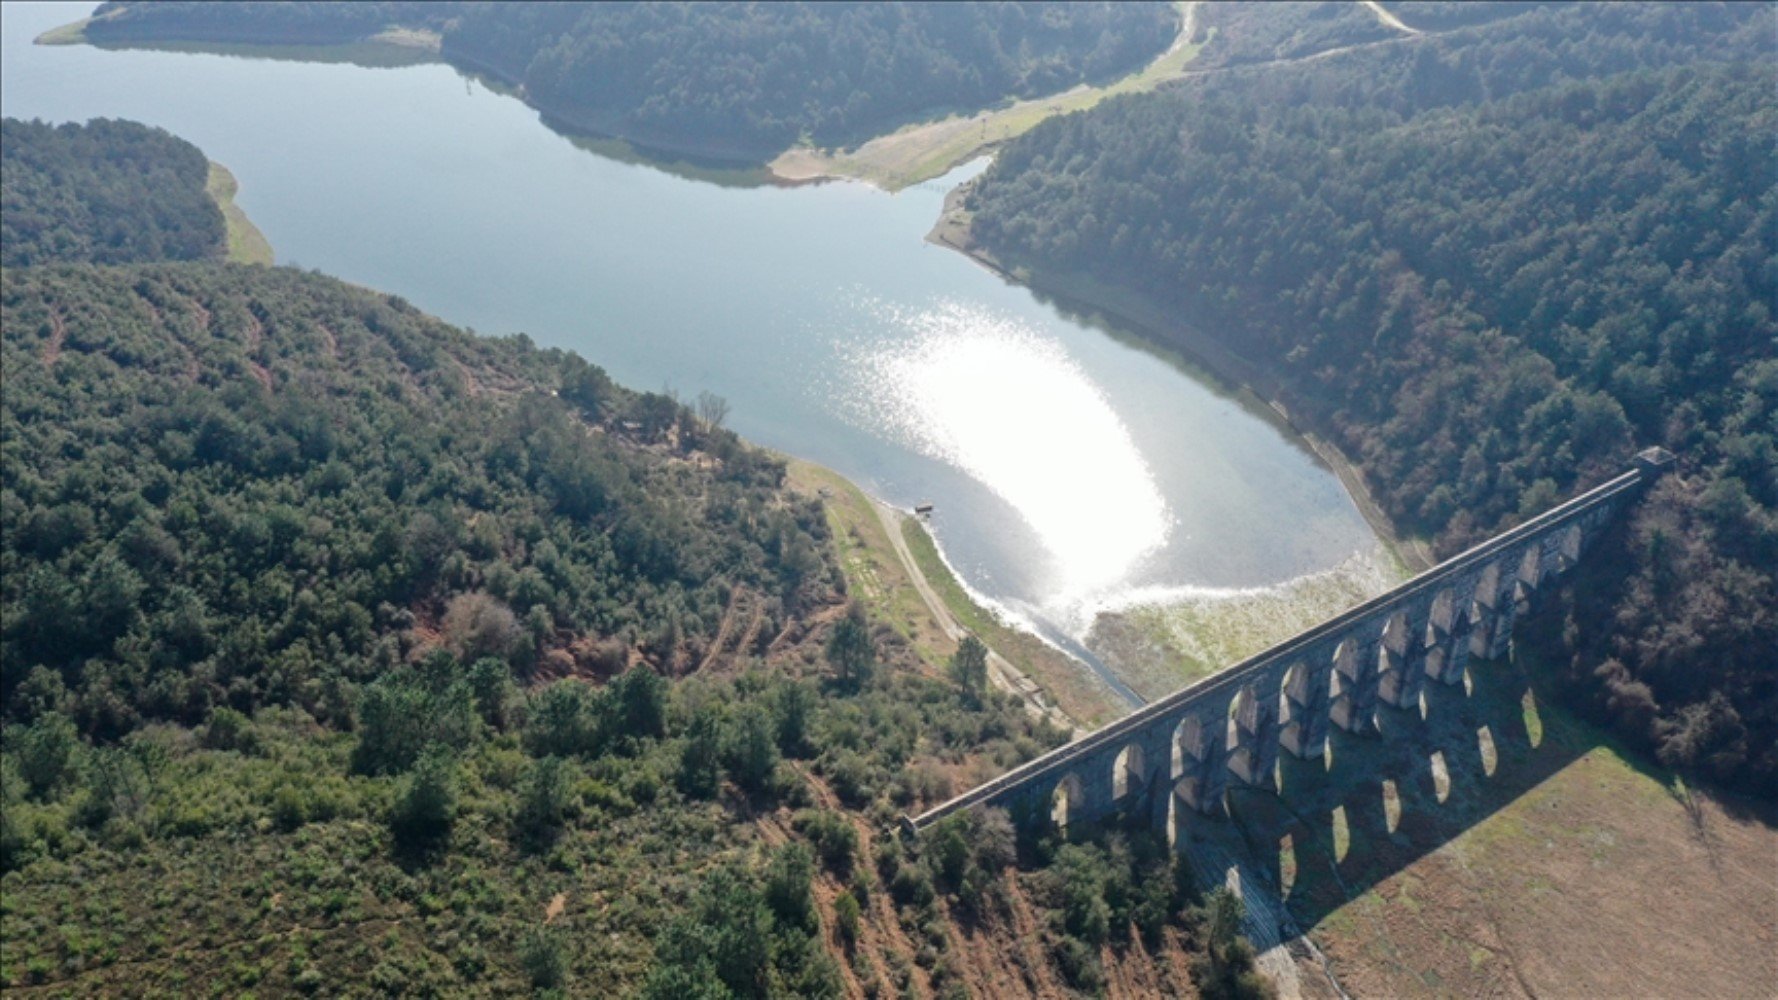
(245, 243)
(893, 567)
(922, 150)
(1158, 331)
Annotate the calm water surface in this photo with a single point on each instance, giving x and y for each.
(1071, 471)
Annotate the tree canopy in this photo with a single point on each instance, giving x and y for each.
(322, 621)
(108, 192)
(729, 79)
(1493, 263)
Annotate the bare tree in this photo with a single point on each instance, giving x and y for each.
(712, 409)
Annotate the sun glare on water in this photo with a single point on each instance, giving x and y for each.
(1016, 413)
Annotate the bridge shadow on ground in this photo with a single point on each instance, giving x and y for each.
(1382, 801)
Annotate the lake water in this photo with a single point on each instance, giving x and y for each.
(1071, 471)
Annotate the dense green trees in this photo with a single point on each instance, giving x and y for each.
(320, 620)
(107, 191)
(729, 79)
(246, 486)
(1492, 264)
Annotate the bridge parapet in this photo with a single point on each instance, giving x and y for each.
(1229, 727)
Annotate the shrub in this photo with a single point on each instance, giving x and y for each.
(700, 758)
(563, 721)
(426, 807)
(750, 748)
(543, 801)
(788, 892)
(851, 776)
(846, 912)
(1080, 964)
(230, 730)
(835, 839)
(544, 958)
(911, 885)
(46, 753)
(290, 807)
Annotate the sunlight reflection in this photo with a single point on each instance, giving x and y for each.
(1533, 719)
(1441, 776)
(1490, 757)
(1016, 413)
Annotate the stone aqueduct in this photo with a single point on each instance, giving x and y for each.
(1229, 727)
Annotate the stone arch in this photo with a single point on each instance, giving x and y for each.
(1530, 567)
(1179, 810)
(1065, 801)
(1253, 735)
(1292, 683)
(1396, 629)
(1188, 747)
(1303, 708)
(1128, 772)
(1487, 588)
(1403, 659)
(1199, 759)
(1337, 681)
(1568, 547)
(1444, 610)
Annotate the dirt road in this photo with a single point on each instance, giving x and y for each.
(1001, 673)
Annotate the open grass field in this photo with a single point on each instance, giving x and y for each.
(1502, 847)
(926, 150)
(874, 575)
(246, 244)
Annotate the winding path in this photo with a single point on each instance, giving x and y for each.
(1001, 672)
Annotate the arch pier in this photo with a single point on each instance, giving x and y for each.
(1180, 754)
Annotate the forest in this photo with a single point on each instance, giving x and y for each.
(1491, 264)
(347, 651)
(106, 192)
(733, 80)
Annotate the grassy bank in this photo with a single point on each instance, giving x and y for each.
(877, 577)
(1504, 847)
(1069, 683)
(67, 34)
(927, 150)
(246, 244)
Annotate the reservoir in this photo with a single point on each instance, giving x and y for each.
(1072, 471)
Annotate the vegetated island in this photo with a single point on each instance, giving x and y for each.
(729, 81)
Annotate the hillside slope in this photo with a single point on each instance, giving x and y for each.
(733, 80)
(109, 192)
(1489, 289)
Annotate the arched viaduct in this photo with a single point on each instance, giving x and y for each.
(1181, 753)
